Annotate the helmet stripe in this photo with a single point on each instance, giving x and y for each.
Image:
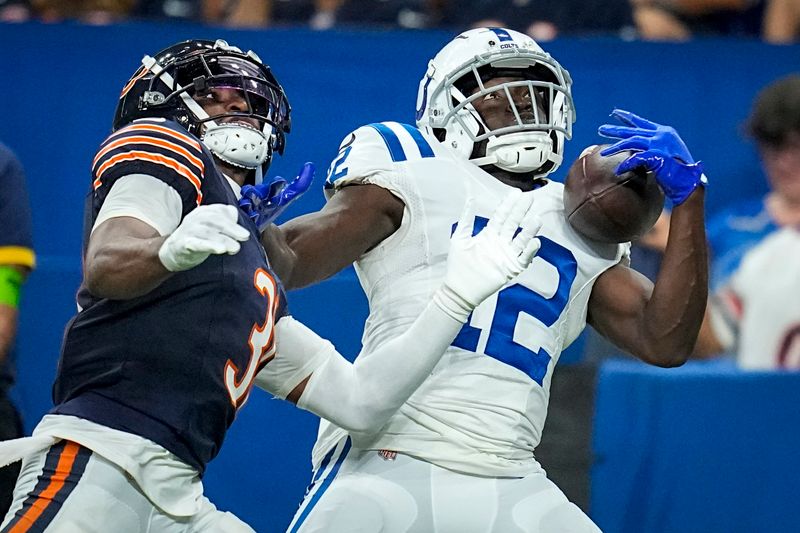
(133, 80)
(502, 34)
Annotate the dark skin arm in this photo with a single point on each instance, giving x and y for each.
(659, 323)
(708, 344)
(316, 246)
(122, 259)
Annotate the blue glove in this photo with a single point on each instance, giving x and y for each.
(659, 149)
(264, 202)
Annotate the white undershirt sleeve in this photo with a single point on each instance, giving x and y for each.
(145, 198)
(360, 396)
(298, 352)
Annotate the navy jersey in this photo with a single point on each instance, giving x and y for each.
(173, 365)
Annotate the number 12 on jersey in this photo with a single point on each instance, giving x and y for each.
(516, 299)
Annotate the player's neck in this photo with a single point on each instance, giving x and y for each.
(237, 174)
(784, 211)
(522, 181)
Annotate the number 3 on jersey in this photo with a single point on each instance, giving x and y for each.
(517, 299)
(261, 342)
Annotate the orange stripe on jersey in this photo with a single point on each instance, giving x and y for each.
(158, 159)
(132, 81)
(159, 129)
(153, 141)
(63, 470)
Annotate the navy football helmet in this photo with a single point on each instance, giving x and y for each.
(164, 86)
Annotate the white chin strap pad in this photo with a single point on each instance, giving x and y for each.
(237, 144)
(519, 152)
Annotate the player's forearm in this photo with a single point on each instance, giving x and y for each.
(124, 268)
(675, 311)
(363, 396)
(282, 258)
(357, 219)
(301, 253)
(8, 329)
(708, 344)
(319, 250)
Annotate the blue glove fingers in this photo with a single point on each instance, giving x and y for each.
(275, 188)
(623, 132)
(265, 202)
(299, 185)
(306, 175)
(649, 160)
(250, 200)
(634, 143)
(246, 204)
(247, 191)
(303, 180)
(256, 193)
(633, 120)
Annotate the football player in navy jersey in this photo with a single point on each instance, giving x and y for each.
(178, 307)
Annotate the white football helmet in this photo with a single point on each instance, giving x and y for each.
(444, 100)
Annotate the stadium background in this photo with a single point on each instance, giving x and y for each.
(703, 448)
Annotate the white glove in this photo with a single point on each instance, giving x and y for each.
(209, 229)
(479, 266)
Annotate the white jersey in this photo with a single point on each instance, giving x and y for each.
(483, 408)
(757, 313)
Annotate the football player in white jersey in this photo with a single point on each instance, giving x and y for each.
(493, 113)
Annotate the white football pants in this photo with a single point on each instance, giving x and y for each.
(69, 489)
(369, 492)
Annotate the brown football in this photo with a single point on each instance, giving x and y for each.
(606, 207)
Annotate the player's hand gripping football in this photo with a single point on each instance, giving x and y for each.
(659, 149)
(209, 229)
(480, 265)
(264, 202)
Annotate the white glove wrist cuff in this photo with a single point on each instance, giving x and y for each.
(452, 303)
(167, 258)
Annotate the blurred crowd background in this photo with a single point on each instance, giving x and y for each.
(775, 21)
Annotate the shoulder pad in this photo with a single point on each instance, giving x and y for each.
(168, 150)
(374, 148)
